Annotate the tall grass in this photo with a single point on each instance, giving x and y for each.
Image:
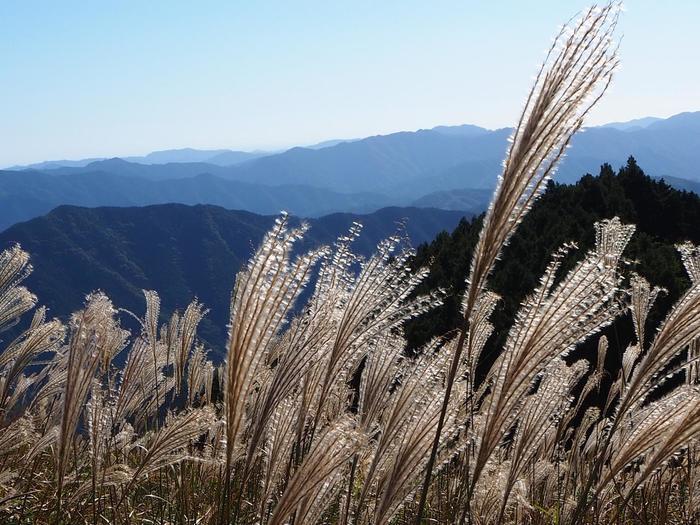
(319, 416)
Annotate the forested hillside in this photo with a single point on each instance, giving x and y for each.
(663, 215)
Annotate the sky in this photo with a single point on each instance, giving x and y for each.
(114, 78)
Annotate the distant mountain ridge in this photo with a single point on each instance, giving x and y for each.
(227, 157)
(633, 124)
(25, 195)
(181, 251)
(388, 162)
(217, 157)
(361, 175)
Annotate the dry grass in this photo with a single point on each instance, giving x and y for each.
(291, 440)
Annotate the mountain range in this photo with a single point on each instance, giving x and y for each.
(448, 167)
(181, 251)
(195, 251)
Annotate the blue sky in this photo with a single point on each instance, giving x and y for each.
(81, 79)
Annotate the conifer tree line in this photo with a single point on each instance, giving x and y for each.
(320, 414)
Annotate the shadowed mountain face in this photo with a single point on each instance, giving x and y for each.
(181, 251)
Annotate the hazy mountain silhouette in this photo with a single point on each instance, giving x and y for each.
(633, 124)
(446, 158)
(219, 157)
(170, 170)
(406, 161)
(356, 175)
(28, 194)
(683, 184)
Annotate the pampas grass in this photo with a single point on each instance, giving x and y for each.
(322, 417)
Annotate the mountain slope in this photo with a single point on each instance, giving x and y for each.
(180, 251)
(683, 184)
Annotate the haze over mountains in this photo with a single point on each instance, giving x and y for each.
(421, 168)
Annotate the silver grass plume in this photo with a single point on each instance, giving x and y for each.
(574, 76)
(167, 446)
(640, 376)
(552, 321)
(298, 349)
(41, 337)
(377, 301)
(678, 331)
(184, 337)
(415, 382)
(403, 473)
(660, 428)
(594, 380)
(329, 453)
(480, 329)
(263, 295)
(278, 448)
(377, 383)
(142, 383)
(17, 435)
(690, 255)
(407, 426)
(91, 328)
(200, 372)
(538, 418)
(150, 321)
(15, 300)
(378, 378)
(643, 297)
(311, 509)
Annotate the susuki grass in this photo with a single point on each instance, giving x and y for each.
(319, 416)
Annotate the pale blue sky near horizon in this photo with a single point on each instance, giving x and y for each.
(118, 78)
